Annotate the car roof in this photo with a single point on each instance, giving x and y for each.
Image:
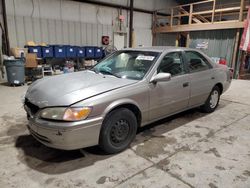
(159, 48)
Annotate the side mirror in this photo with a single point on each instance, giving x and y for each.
(161, 77)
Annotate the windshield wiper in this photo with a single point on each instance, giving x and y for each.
(94, 70)
(109, 73)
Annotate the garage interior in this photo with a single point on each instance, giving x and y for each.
(46, 38)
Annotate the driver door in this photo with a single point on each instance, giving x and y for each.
(168, 97)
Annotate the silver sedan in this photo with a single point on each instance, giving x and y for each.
(131, 88)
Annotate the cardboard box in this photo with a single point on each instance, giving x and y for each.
(16, 52)
(31, 60)
(89, 63)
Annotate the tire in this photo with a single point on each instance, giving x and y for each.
(118, 131)
(213, 100)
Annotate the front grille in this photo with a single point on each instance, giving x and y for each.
(33, 108)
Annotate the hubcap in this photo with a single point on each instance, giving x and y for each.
(214, 99)
(119, 132)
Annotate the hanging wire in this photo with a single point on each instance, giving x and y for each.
(98, 15)
(33, 8)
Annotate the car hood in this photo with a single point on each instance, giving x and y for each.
(64, 90)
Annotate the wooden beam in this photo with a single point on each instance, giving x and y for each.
(177, 39)
(200, 2)
(217, 10)
(227, 9)
(213, 11)
(188, 40)
(171, 18)
(202, 18)
(203, 12)
(236, 47)
(180, 15)
(200, 27)
(190, 14)
(154, 39)
(241, 10)
(224, 14)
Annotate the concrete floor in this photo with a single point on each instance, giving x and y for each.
(191, 149)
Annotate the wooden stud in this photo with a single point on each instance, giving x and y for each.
(236, 47)
(171, 17)
(177, 40)
(190, 14)
(214, 3)
(188, 40)
(241, 10)
(153, 38)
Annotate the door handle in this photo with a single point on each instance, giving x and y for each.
(185, 84)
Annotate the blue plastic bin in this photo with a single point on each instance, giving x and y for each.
(90, 52)
(98, 52)
(70, 51)
(80, 52)
(35, 49)
(59, 51)
(47, 51)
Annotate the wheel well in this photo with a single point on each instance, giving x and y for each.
(133, 108)
(220, 87)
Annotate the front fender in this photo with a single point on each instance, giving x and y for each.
(118, 103)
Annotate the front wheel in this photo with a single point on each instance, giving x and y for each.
(118, 130)
(212, 101)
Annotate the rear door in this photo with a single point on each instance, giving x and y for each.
(201, 77)
(170, 96)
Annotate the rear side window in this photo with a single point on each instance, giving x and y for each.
(196, 61)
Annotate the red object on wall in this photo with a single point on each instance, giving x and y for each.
(105, 40)
(223, 61)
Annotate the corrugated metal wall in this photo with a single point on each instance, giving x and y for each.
(57, 22)
(165, 39)
(220, 42)
(69, 22)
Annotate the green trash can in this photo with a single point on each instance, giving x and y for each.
(15, 71)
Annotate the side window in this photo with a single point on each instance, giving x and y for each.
(196, 61)
(172, 63)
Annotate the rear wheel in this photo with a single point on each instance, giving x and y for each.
(118, 130)
(212, 101)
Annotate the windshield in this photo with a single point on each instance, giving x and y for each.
(127, 64)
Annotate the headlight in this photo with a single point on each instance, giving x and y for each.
(66, 114)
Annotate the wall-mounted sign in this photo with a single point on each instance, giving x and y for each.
(202, 45)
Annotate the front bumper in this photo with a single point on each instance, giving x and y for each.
(66, 135)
